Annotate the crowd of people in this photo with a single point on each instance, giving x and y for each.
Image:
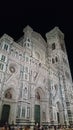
(6, 126)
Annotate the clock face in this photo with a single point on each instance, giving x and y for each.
(12, 69)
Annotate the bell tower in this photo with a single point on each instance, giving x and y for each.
(61, 75)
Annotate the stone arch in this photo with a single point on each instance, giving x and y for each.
(39, 93)
(39, 105)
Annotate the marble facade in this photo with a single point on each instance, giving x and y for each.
(35, 79)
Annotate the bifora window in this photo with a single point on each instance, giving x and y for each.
(28, 112)
(3, 58)
(6, 47)
(23, 112)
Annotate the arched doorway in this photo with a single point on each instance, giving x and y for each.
(37, 114)
(5, 113)
(38, 106)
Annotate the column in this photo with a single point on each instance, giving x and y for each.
(32, 112)
(47, 112)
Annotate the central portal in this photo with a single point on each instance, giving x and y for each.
(37, 114)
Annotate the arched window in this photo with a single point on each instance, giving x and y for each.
(53, 46)
(6, 47)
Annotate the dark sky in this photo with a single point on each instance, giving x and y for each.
(41, 16)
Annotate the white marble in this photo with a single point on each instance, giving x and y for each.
(45, 83)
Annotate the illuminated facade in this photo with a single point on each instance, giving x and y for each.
(35, 79)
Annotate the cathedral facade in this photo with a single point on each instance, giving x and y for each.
(35, 79)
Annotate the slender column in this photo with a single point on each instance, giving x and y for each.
(47, 112)
(32, 109)
(32, 113)
(0, 108)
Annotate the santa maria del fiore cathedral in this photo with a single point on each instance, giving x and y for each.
(35, 79)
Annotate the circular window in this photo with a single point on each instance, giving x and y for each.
(12, 69)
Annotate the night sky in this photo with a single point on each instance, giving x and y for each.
(42, 17)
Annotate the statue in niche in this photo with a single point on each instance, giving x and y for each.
(37, 96)
(25, 92)
(8, 95)
(35, 75)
